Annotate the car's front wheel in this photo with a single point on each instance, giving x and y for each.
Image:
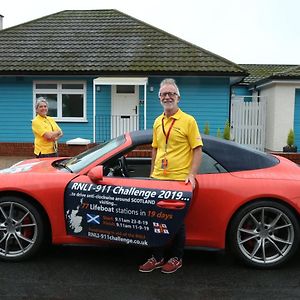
(264, 234)
(21, 229)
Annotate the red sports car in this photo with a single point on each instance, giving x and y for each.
(245, 201)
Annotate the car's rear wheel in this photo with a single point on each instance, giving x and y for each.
(21, 229)
(264, 234)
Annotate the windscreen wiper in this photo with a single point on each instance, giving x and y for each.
(64, 165)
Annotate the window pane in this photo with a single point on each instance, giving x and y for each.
(209, 165)
(72, 105)
(72, 86)
(46, 86)
(52, 100)
(125, 89)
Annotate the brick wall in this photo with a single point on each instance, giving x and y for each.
(141, 151)
(293, 156)
(26, 149)
(16, 149)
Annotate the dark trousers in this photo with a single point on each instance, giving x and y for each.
(176, 247)
(55, 154)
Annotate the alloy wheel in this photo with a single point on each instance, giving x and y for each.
(18, 229)
(265, 235)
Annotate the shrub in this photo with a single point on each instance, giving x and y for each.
(206, 128)
(291, 138)
(226, 133)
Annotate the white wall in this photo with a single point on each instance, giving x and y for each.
(280, 97)
(267, 94)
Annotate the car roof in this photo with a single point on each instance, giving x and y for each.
(232, 156)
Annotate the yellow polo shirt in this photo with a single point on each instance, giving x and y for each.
(40, 126)
(184, 136)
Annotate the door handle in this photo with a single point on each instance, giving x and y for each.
(171, 204)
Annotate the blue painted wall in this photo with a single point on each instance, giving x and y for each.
(241, 91)
(207, 99)
(16, 111)
(103, 111)
(297, 119)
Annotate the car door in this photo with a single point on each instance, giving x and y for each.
(143, 212)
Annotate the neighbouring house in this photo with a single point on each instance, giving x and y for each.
(277, 89)
(100, 71)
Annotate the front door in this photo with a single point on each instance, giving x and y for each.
(124, 110)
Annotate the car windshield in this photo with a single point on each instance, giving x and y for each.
(82, 160)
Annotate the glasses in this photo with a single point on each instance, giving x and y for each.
(170, 94)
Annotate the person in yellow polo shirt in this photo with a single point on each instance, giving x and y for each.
(46, 131)
(176, 155)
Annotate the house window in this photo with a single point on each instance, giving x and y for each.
(67, 100)
(125, 89)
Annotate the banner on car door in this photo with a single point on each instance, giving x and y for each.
(130, 215)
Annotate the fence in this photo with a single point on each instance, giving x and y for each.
(111, 126)
(248, 121)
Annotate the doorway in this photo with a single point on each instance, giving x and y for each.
(124, 110)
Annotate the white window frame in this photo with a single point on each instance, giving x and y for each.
(59, 91)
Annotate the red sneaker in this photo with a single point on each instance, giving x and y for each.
(172, 265)
(151, 264)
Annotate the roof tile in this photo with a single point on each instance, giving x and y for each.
(102, 41)
(259, 72)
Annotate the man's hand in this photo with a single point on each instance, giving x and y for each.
(192, 180)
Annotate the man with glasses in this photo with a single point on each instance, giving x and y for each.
(176, 155)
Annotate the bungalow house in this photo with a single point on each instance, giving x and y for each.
(100, 71)
(278, 87)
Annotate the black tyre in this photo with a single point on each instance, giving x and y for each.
(264, 234)
(21, 229)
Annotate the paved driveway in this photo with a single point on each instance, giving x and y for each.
(79, 273)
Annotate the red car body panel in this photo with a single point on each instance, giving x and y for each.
(219, 196)
(216, 199)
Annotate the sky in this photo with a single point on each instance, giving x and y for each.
(250, 32)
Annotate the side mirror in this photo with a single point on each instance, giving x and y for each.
(96, 174)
